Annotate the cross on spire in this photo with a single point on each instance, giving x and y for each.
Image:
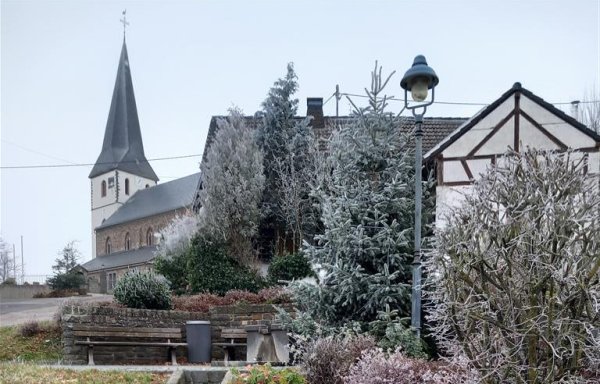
(125, 22)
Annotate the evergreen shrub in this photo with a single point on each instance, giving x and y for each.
(66, 281)
(289, 267)
(143, 291)
(209, 269)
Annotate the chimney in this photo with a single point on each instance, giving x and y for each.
(314, 108)
(575, 109)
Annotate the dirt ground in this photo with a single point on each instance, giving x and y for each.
(19, 311)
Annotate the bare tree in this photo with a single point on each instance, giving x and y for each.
(515, 276)
(589, 110)
(7, 264)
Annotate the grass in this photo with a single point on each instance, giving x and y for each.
(45, 346)
(17, 373)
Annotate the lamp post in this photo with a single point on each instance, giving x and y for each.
(418, 80)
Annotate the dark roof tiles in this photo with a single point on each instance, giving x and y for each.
(158, 199)
(122, 147)
(120, 259)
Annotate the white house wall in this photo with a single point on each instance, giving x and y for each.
(464, 160)
(479, 131)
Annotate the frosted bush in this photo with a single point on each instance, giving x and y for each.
(143, 291)
(376, 367)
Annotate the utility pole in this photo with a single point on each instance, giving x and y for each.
(337, 99)
(22, 263)
(14, 264)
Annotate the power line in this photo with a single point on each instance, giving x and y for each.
(467, 103)
(90, 164)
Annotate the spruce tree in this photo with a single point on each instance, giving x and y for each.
(286, 143)
(365, 251)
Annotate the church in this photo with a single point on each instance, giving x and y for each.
(128, 206)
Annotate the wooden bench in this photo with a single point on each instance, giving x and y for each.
(233, 337)
(127, 336)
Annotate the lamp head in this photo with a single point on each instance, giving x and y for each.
(419, 79)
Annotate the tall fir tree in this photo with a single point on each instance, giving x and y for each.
(365, 251)
(287, 144)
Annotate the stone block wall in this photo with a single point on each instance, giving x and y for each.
(236, 316)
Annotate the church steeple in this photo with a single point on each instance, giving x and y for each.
(123, 148)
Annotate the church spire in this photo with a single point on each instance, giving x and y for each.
(123, 148)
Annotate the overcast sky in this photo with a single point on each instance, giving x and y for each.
(194, 59)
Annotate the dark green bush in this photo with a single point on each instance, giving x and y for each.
(174, 268)
(143, 291)
(289, 267)
(66, 281)
(209, 269)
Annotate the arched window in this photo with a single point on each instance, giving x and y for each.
(127, 242)
(127, 186)
(141, 239)
(107, 247)
(147, 185)
(103, 188)
(149, 236)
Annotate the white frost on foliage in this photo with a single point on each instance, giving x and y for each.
(176, 236)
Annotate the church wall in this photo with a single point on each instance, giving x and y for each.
(135, 184)
(137, 230)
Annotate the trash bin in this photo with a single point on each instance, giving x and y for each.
(199, 341)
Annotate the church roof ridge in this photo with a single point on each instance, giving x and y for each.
(123, 148)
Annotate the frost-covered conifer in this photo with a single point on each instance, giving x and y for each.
(289, 160)
(232, 180)
(365, 250)
(515, 276)
(175, 238)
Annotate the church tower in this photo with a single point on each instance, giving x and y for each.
(122, 167)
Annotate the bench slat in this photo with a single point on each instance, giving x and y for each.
(78, 327)
(234, 333)
(128, 334)
(130, 343)
(230, 344)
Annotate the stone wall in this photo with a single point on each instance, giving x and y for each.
(236, 316)
(137, 230)
(21, 291)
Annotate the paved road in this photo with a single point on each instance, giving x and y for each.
(19, 311)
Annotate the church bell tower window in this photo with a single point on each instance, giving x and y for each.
(103, 188)
(127, 187)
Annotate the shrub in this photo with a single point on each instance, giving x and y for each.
(327, 360)
(209, 269)
(376, 367)
(143, 290)
(514, 283)
(30, 328)
(265, 374)
(392, 334)
(202, 302)
(66, 281)
(173, 267)
(289, 267)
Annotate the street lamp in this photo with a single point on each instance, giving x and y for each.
(419, 79)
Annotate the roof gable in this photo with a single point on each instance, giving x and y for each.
(515, 108)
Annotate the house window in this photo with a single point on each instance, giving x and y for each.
(127, 242)
(127, 187)
(103, 188)
(149, 236)
(107, 247)
(111, 278)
